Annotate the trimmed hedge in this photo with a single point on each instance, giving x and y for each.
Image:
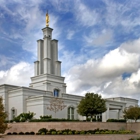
(53, 120)
(116, 120)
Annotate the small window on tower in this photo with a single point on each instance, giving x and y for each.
(56, 93)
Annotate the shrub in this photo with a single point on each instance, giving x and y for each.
(9, 133)
(53, 132)
(70, 133)
(48, 133)
(27, 133)
(65, 133)
(37, 133)
(21, 133)
(53, 120)
(14, 133)
(82, 132)
(66, 130)
(24, 117)
(42, 130)
(116, 120)
(52, 129)
(77, 132)
(43, 133)
(45, 117)
(59, 132)
(88, 133)
(32, 133)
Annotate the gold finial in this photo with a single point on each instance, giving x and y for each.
(47, 19)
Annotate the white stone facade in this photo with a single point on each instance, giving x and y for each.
(48, 83)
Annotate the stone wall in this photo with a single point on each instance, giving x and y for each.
(35, 126)
(68, 137)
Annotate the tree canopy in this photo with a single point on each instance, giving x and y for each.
(91, 105)
(132, 113)
(3, 115)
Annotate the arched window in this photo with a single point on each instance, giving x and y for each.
(71, 113)
(56, 93)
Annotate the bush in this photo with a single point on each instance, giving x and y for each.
(42, 130)
(70, 133)
(116, 120)
(37, 133)
(9, 133)
(32, 133)
(59, 132)
(46, 117)
(77, 132)
(14, 133)
(27, 133)
(53, 132)
(53, 120)
(48, 133)
(65, 133)
(82, 132)
(21, 133)
(24, 117)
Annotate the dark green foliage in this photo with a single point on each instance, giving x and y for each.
(53, 120)
(15, 133)
(116, 120)
(91, 105)
(21, 133)
(32, 133)
(46, 117)
(24, 117)
(27, 133)
(3, 115)
(37, 133)
(53, 133)
(132, 113)
(42, 130)
(9, 133)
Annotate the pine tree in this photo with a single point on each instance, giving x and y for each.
(3, 115)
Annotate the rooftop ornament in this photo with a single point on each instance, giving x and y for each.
(47, 19)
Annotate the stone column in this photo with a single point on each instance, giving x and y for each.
(36, 68)
(40, 55)
(54, 55)
(47, 54)
(58, 68)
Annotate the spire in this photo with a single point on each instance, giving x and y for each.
(47, 19)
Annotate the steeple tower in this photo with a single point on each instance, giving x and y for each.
(47, 68)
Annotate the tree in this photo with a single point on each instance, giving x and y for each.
(3, 115)
(91, 105)
(132, 113)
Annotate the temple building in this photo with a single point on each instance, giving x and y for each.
(48, 89)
